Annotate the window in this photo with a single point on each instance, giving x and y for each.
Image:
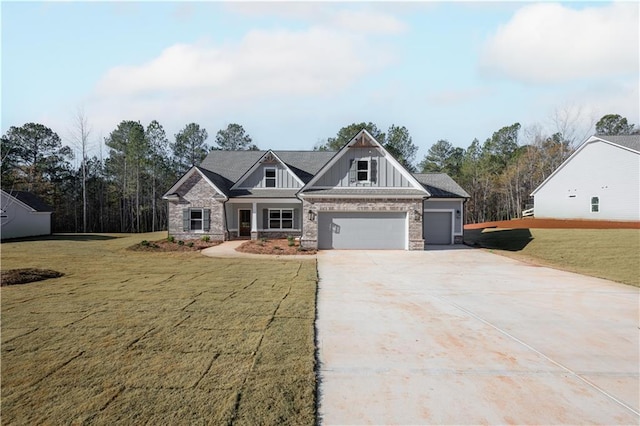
(195, 218)
(595, 204)
(363, 171)
(270, 177)
(280, 218)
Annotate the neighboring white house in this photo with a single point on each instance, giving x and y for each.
(22, 214)
(600, 181)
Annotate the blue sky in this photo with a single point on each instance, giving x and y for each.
(294, 73)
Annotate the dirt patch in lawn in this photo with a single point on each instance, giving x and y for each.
(280, 246)
(170, 246)
(26, 275)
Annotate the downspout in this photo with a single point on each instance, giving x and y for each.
(226, 235)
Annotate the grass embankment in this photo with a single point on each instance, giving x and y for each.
(612, 254)
(166, 338)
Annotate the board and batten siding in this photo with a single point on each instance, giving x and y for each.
(598, 170)
(455, 205)
(284, 179)
(387, 175)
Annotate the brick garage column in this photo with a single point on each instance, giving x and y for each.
(309, 225)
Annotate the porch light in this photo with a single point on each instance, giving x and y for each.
(457, 214)
(312, 215)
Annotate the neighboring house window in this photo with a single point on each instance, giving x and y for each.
(595, 204)
(280, 218)
(270, 177)
(363, 171)
(196, 219)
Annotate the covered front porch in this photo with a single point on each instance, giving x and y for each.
(248, 218)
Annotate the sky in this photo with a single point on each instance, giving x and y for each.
(294, 73)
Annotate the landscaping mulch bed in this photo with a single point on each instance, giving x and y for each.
(26, 275)
(171, 246)
(279, 247)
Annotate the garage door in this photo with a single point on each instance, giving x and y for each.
(437, 227)
(362, 230)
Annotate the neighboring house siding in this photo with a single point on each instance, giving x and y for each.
(455, 205)
(196, 193)
(284, 179)
(18, 221)
(601, 170)
(386, 174)
(411, 207)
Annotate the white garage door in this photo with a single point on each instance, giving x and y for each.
(437, 227)
(362, 230)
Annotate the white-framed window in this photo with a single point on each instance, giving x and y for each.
(270, 177)
(196, 219)
(363, 170)
(595, 204)
(280, 218)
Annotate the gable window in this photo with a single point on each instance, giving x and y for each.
(270, 177)
(595, 204)
(196, 219)
(362, 171)
(280, 218)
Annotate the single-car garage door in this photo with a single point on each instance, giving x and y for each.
(437, 227)
(362, 230)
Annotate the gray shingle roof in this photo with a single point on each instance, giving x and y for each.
(440, 185)
(231, 165)
(31, 200)
(628, 141)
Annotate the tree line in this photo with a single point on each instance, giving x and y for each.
(121, 191)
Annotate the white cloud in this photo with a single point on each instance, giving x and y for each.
(547, 43)
(457, 96)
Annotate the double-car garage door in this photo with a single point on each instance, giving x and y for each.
(362, 230)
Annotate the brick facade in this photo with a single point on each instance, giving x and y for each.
(411, 206)
(197, 193)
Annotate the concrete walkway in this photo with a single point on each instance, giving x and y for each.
(228, 249)
(468, 337)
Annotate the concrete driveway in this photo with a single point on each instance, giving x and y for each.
(469, 337)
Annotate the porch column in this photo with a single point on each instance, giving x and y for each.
(254, 221)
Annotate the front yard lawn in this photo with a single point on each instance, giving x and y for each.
(157, 338)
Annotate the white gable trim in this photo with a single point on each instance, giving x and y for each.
(168, 195)
(20, 203)
(258, 163)
(403, 171)
(591, 140)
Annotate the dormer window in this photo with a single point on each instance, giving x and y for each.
(362, 171)
(270, 177)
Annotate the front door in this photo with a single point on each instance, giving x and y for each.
(244, 229)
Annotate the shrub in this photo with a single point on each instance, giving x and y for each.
(190, 244)
(145, 243)
(292, 241)
(205, 238)
(180, 242)
(263, 240)
(171, 239)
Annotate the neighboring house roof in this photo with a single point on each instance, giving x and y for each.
(441, 185)
(630, 143)
(30, 200)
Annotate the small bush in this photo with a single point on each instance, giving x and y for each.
(190, 244)
(171, 239)
(145, 243)
(263, 240)
(205, 238)
(277, 248)
(180, 242)
(291, 240)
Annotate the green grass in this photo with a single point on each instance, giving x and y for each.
(163, 338)
(612, 254)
